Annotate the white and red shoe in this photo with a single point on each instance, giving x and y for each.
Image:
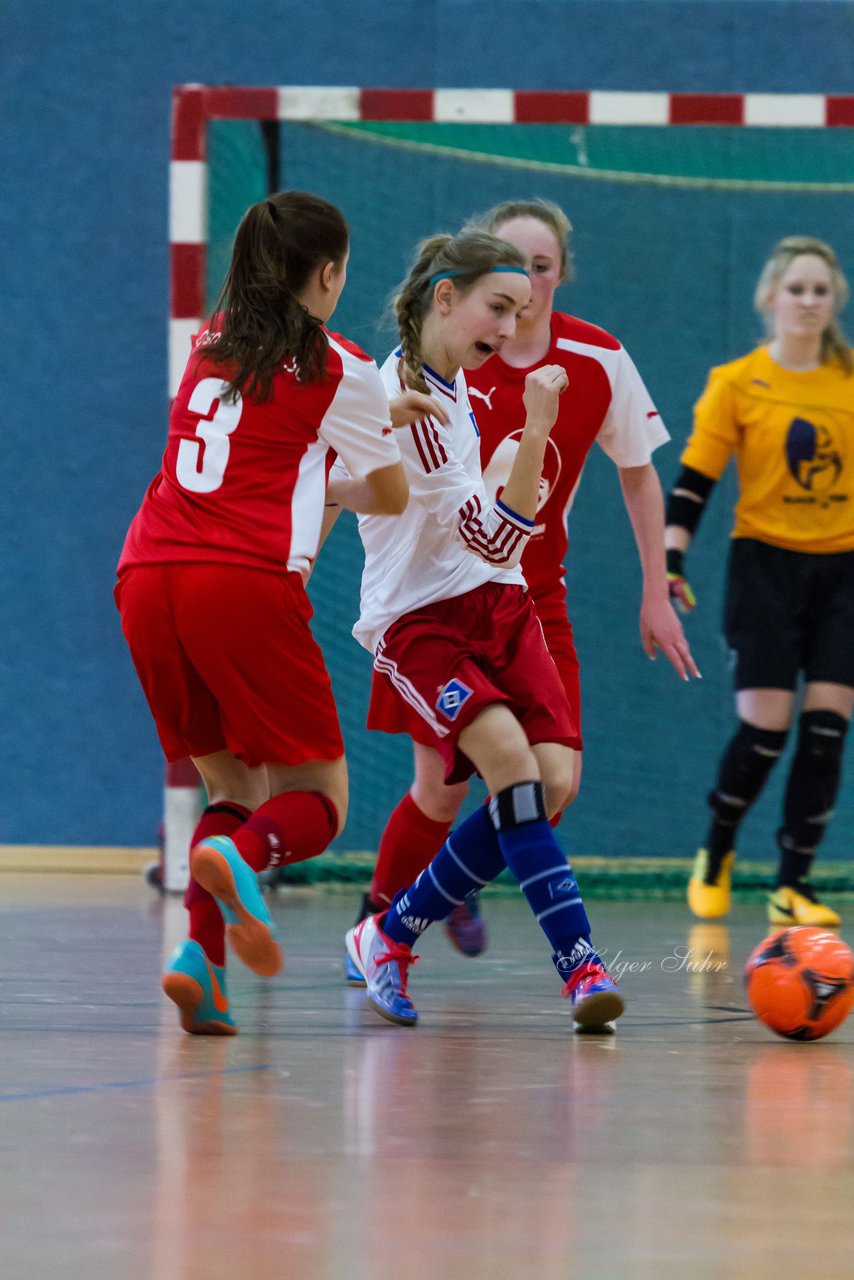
(384, 964)
(596, 1000)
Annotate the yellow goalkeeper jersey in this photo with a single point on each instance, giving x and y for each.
(793, 439)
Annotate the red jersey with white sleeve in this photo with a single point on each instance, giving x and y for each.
(605, 401)
(244, 482)
(451, 538)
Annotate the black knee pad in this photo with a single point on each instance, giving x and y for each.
(747, 761)
(821, 740)
(517, 804)
(813, 780)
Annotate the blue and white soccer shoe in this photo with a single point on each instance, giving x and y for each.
(384, 965)
(596, 1000)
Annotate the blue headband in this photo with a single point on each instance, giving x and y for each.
(449, 275)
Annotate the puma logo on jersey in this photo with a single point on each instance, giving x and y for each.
(473, 391)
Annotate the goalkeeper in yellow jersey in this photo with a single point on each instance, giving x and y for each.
(786, 411)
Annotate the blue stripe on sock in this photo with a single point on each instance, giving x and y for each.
(466, 870)
(548, 883)
(559, 906)
(431, 871)
(458, 869)
(541, 875)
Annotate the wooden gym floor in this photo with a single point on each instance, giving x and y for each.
(488, 1143)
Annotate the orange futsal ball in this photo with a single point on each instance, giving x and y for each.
(800, 982)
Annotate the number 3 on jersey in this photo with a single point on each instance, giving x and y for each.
(201, 463)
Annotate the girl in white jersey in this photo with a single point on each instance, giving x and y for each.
(446, 613)
(607, 403)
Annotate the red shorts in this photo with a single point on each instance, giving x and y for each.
(226, 659)
(388, 712)
(449, 660)
(557, 629)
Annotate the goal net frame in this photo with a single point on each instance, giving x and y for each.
(195, 107)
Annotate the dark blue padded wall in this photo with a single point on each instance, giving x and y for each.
(83, 238)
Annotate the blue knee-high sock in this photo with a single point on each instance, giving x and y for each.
(544, 875)
(469, 859)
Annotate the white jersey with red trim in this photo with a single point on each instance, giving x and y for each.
(605, 401)
(451, 538)
(244, 482)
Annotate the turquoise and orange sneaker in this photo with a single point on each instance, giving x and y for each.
(217, 866)
(197, 987)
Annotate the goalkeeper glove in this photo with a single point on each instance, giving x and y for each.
(677, 584)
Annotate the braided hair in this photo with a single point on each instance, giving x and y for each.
(467, 256)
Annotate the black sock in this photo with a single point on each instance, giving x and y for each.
(810, 792)
(367, 908)
(795, 863)
(745, 765)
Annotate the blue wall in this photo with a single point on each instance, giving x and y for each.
(85, 146)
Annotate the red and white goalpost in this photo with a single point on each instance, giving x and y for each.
(195, 106)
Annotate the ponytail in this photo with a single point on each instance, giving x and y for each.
(260, 320)
(411, 306)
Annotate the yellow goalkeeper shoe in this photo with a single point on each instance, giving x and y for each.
(709, 888)
(789, 905)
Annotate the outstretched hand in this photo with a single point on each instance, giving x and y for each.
(661, 629)
(412, 406)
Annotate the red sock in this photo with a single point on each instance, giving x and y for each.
(289, 828)
(409, 842)
(207, 926)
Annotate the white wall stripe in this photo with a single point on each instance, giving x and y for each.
(629, 108)
(319, 102)
(188, 202)
(181, 812)
(784, 110)
(180, 341)
(485, 106)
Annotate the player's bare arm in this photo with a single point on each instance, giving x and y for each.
(543, 388)
(384, 492)
(660, 628)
